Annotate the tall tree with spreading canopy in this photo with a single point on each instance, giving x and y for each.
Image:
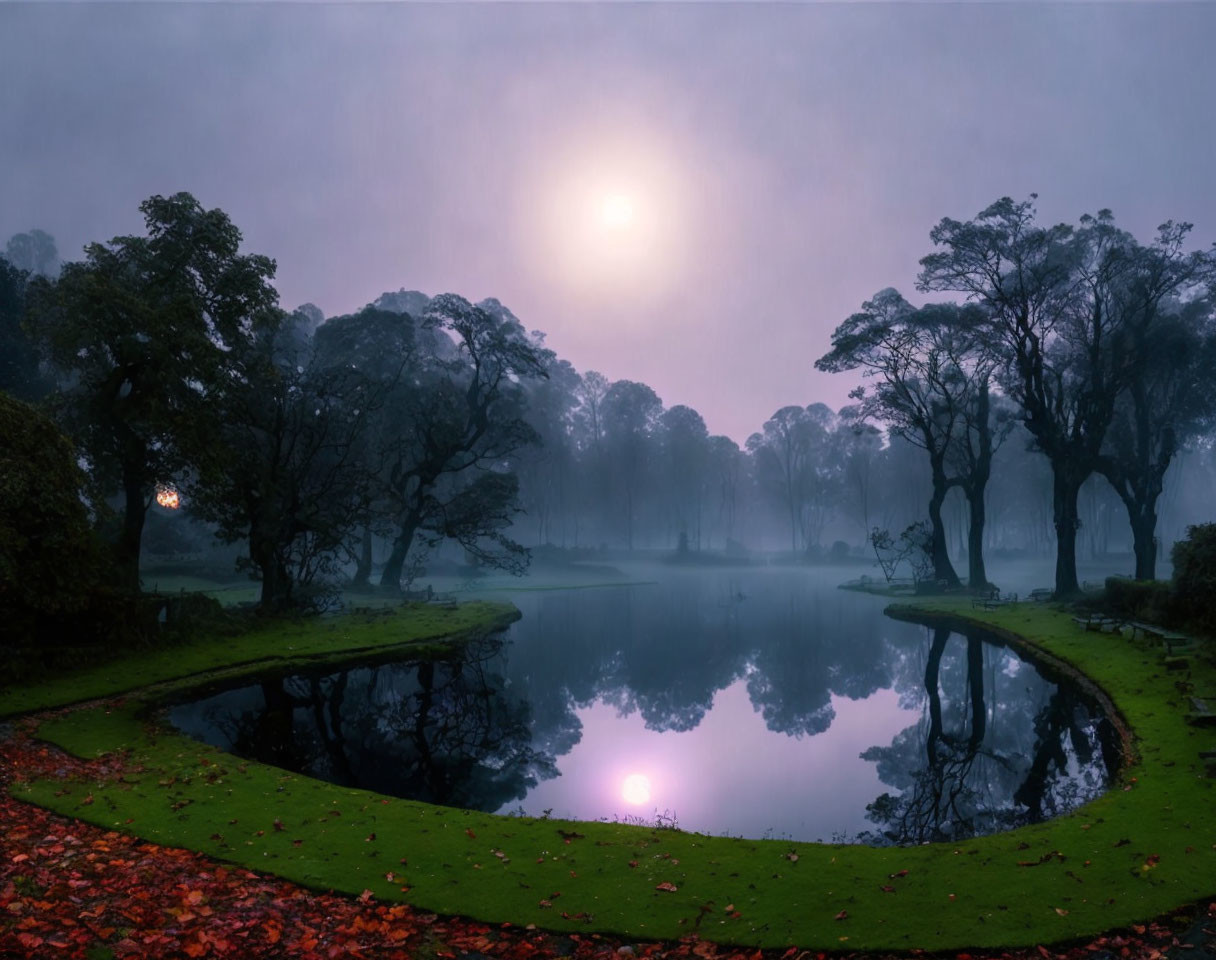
(547, 469)
(21, 372)
(1063, 312)
(1170, 395)
(1025, 276)
(789, 454)
(858, 443)
(924, 388)
(725, 478)
(144, 330)
(685, 444)
(383, 346)
(630, 413)
(460, 420)
(34, 252)
(294, 475)
(986, 420)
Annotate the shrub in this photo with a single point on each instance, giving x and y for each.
(56, 608)
(839, 550)
(1149, 600)
(50, 561)
(1195, 577)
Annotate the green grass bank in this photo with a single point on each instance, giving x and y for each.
(264, 648)
(1144, 848)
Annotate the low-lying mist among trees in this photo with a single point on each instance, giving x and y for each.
(1061, 402)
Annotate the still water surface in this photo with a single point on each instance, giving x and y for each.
(754, 703)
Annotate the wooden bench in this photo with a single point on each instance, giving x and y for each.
(1201, 712)
(1148, 630)
(1170, 639)
(1041, 595)
(1178, 641)
(991, 599)
(1097, 621)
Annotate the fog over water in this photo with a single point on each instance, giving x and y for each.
(338, 305)
(754, 703)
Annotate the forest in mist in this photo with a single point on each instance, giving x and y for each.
(1057, 399)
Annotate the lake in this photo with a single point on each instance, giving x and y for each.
(746, 702)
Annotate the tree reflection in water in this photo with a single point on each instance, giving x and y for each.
(996, 744)
(973, 770)
(443, 732)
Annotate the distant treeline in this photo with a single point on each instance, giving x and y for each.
(1066, 397)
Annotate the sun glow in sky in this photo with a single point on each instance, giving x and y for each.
(636, 789)
(616, 211)
(613, 220)
(470, 148)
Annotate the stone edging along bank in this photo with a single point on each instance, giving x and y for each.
(1144, 848)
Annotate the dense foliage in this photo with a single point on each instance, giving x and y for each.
(1195, 577)
(49, 557)
(143, 333)
(422, 430)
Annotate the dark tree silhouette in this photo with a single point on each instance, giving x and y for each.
(145, 329)
(294, 476)
(933, 391)
(463, 416)
(1064, 305)
(1170, 392)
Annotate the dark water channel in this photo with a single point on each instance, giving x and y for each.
(755, 704)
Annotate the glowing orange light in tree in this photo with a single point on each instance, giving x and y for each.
(167, 497)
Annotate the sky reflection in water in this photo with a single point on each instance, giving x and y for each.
(754, 704)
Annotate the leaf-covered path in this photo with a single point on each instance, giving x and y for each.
(69, 889)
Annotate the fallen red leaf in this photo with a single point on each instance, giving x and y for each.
(70, 889)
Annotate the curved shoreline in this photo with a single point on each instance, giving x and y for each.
(1035, 653)
(277, 646)
(646, 883)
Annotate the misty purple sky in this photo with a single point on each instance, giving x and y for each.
(781, 162)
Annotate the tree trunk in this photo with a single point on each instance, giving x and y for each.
(363, 572)
(1144, 535)
(273, 735)
(1139, 489)
(977, 575)
(130, 536)
(275, 581)
(943, 569)
(933, 688)
(390, 576)
(975, 684)
(390, 579)
(1065, 488)
(1048, 724)
(426, 763)
(981, 470)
